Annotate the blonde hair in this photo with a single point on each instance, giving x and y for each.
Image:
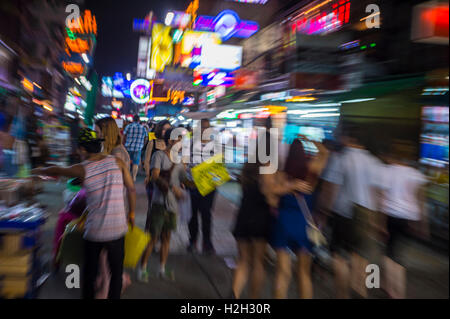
(111, 134)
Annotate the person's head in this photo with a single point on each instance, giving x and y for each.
(169, 142)
(204, 124)
(136, 118)
(89, 143)
(161, 129)
(352, 135)
(296, 163)
(107, 129)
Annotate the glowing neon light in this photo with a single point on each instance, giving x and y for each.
(140, 91)
(227, 24)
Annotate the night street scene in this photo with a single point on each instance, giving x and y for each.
(224, 149)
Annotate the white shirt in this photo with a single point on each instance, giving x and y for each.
(401, 185)
(357, 172)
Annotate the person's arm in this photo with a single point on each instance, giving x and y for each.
(276, 185)
(131, 190)
(148, 153)
(71, 171)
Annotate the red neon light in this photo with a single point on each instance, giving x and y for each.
(347, 12)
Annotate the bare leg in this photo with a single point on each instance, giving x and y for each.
(258, 273)
(241, 271)
(358, 270)
(341, 273)
(283, 274)
(395, 279)
(148, 252)
(305, 287)
(135, 171)
(165, 245)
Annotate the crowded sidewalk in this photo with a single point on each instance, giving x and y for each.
(209, 277)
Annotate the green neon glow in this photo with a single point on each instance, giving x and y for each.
(372, 45)
(70, 34)
(364, 47)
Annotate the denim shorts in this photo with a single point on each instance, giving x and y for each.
(135, 157)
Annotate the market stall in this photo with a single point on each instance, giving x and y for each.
(21, 224)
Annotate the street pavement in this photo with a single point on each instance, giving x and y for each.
(209, 277)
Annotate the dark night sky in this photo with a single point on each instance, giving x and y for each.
(117, 44)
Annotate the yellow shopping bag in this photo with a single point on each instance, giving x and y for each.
(210, 174)
(136, 240)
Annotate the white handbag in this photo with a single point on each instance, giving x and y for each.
(314, 234)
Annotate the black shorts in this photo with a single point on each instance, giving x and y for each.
(396, 228)
(351, 234)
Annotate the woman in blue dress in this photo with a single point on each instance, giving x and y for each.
(290, 228)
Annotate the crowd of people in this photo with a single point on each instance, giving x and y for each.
(343, 185)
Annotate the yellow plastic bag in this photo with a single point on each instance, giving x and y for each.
(136, 240)
(210, 174)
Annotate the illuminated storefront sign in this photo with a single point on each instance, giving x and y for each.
(73, 67)
(210, 97)
(143, 56)
(140, 91)
(319, 22)
(191, 45)
(78, 45)
(250, 1)
(117, 104)
(27, 85)
(86, 25)
(178, 19)
(213, 78)
(430, 23)
(162, 47)
(227, 24)
(226, 57)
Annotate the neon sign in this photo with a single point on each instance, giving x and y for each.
(214, 78)
(227, 24)
(78, 45)
(140, 91)
(162, 47)
(323, 22)
(251, 1)
(73, 67)
(86, 25)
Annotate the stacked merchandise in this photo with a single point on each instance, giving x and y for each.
(20, 249)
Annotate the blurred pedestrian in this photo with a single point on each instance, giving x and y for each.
(200, 203)
(154, 145)
(353, 178)
(108, 130)
(162, 216)
(135, 136)
(290, 229)
(104, 178)
(403, 202)
(252, 229)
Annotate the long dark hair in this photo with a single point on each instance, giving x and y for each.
(250, 172)
(297, 162)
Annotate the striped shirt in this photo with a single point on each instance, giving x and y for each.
(106, 219)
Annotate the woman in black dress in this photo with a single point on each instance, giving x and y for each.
(252, 231)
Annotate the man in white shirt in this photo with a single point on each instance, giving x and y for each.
(353, 179)
(403, 202)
